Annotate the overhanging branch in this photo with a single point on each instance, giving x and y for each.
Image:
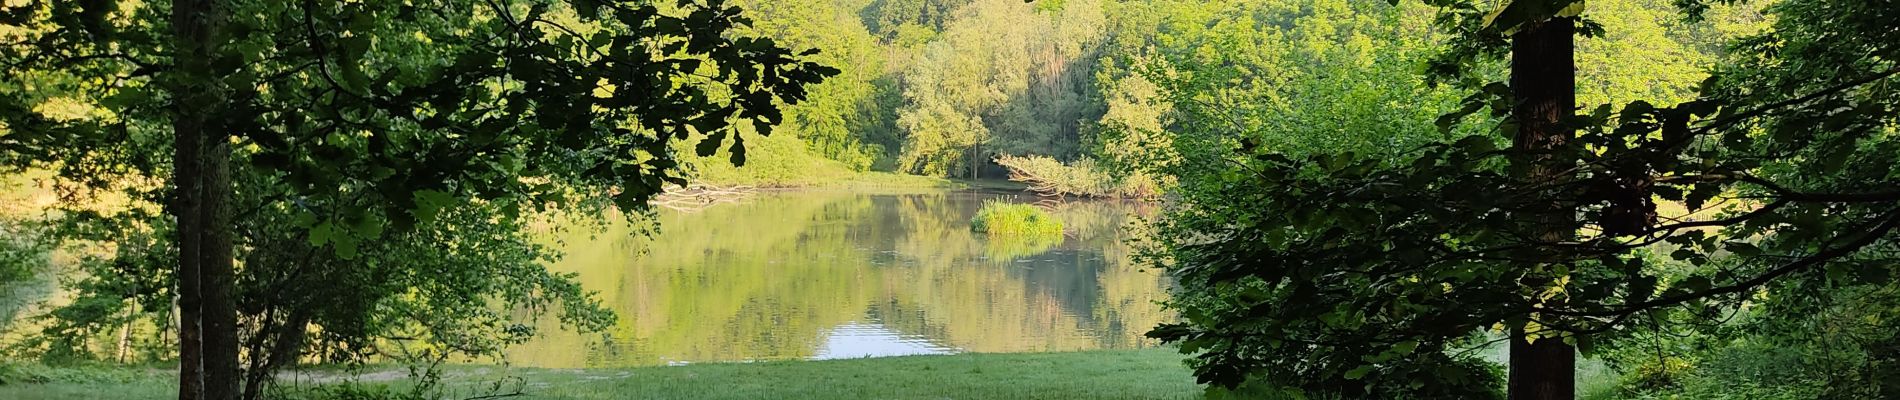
(1888, 224)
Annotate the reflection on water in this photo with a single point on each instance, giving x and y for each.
(809, 275)
(857, 340)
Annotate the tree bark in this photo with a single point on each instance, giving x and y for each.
(1542, 370)
(285, 348)
(188, 30)
(207, 345)
(218, 274)
(1543, 80)
(185, 209)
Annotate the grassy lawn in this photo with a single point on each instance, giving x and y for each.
(1140, 374)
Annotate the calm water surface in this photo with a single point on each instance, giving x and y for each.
(817, 275)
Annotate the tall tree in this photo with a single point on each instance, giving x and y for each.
(375, 114)
(1544, 93)
(208, 351)
(1374, 274)
(1005, 78)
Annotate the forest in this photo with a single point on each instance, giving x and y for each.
(1246, 199)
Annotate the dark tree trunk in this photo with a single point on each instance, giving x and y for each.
(218, 274)
(1542, 370)
(285, 347)
(1543, 79)
(207, 337)
(188, 126)
(185, 209)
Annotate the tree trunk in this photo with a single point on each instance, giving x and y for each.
(125, 340)
(1543, 370)
(218, 274)
(186, 127)
(207, 334)
(1543, 80)
(284, 350)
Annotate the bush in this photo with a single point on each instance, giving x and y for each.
(22, 252)
(1005, 218)
(1655, 375)
(1083, 178)
(1771, 351)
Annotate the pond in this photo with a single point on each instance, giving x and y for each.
(819, 275)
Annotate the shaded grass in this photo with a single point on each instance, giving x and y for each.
(1119, 374)
(110, 382)
(1149, 374)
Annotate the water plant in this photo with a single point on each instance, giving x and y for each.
(1006, 218)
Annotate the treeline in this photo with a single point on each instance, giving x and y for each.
(1265, 118)
(945, 87)
(940, 87)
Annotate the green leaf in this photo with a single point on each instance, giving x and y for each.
(710, 144)
(128, 97)
(368, 227)
(1357, 373)
(1405, 347)
(1744, 249)
(738, 150)
(1640, 288)
(304, 219)
(429, 204)
(1477, 144)
(322, 233)
(352, 78)
(346, 248)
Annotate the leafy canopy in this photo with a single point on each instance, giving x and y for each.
(1358, 271)
(386, 153)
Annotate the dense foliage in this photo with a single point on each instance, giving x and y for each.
(943, 87)
(1370, 268)
(349, 180)
(1083, 178)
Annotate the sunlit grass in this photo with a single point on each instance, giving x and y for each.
(1013, 230)
(1005, 218)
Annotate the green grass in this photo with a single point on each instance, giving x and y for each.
(1005, 218)
(35, 381)
(1119, 374)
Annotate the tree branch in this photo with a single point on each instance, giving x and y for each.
(1878, 232)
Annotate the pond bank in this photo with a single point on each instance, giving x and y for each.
(1107, 374)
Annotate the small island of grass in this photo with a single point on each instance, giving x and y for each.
(1005, 218)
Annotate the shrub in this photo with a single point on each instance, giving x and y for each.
(1083, 178)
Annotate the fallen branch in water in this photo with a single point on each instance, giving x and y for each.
(697, 198)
